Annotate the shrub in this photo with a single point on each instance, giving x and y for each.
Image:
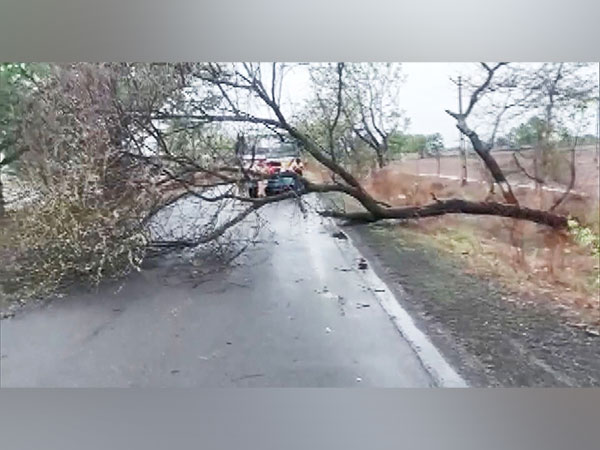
(63, 240)
(585, 236)
(84, 221)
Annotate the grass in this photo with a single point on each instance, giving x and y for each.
(491, 323)
(573, 289)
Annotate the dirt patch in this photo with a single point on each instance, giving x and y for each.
(490, 335)
(586, 179)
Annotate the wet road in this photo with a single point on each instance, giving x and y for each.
(294, 311)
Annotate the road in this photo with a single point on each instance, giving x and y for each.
(295, 310)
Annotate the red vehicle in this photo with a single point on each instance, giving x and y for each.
(273, 167)
(268, 168)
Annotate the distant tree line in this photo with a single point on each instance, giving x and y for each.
(532, 133)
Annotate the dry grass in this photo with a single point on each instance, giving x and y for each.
(550, 268)
(586, 168)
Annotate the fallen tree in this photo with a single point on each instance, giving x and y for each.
(108, 147)
(231, 80)
(381, 211)
(166, 119)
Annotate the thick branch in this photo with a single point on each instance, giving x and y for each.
(489, 161)
(527, 174)
(457, 206)
(571, 182)
(207, 118)
(480, 148)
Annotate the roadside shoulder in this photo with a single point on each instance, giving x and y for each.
(489, 340)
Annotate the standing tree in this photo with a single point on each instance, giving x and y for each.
(324, 119)
(434, 145)
(371, 95)
(556, 93)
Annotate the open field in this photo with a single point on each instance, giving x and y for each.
(586, 179)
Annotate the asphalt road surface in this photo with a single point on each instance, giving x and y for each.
(297, 309)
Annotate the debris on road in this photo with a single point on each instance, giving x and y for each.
(244, 377)
(327, 330)
(339, 235)
(341, 302)
(7, 314)
(362, 264)
(585, 327)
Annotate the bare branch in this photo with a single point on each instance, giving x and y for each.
(482, 87)
(340, 70)
(527, 174)
(208, 118)
(571, 182)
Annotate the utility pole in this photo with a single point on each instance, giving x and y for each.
(462, 147)
(598, 127)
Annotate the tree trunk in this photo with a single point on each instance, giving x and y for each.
(490, 163)
(537, 156)
(463, 162)
(456, 206)
(1, 197)
(380, 159)
(538, 172)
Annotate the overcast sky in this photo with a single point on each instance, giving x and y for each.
(426, 93)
